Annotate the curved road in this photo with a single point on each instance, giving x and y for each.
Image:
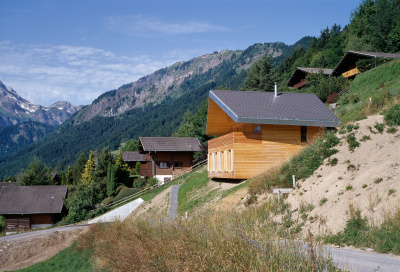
(40, 233)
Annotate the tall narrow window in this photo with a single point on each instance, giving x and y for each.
(304, 134)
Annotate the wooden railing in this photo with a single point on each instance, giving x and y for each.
(135, 195)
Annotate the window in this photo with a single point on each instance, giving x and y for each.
(164, 165)
(178, 164)
(257, 129)
(304, 134)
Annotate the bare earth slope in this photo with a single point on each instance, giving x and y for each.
(367, 178)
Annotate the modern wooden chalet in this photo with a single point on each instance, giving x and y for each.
(347, 67)
(167, 156)
(260, 130)
(26, 207)
(298, 79)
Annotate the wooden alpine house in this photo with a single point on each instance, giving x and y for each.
(299, 78)
(167, 156)
(260, 130)
(30, 207)
(347, 67)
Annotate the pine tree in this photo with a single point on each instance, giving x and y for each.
(110, 180)
(261, 76)
(121, 170)
(63, 178)
(69, 180)
(87, 175)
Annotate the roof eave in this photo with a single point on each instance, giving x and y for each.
(291, 122)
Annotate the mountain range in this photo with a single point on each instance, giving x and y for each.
(151, 106)
(15, 110)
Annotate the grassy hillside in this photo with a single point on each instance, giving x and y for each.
(381, 84)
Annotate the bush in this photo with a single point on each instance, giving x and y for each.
(2, 223)
(352, 141)
(332, 98)
(392, 116)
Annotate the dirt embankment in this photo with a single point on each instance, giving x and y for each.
(367, 179)
(22, 253)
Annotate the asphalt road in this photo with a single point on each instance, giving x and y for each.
(363, 261)
(40, 233)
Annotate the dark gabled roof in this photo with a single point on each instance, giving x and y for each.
(129, 156)
(169, 144)
(32, 199)
(301, 73)
(264, 108)
(353, 56)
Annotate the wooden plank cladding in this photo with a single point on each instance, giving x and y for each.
(241, 155)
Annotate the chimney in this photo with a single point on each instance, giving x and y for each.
(276, 90)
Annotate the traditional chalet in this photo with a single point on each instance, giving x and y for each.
(298, 79)
(166, 156)
(132, 157)
(259, 130)
(26, 207)
(347, 67)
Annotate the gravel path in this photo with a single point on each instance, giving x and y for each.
(173, 207)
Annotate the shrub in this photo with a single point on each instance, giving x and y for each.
(364, 186)
(352, 141)
(332, 98)
(349, 188)
(392, 116)
(378, 180)
(380, 127)
(2, 223)
(333, 161)
(322, 201)
(391, 130)
(365, 138)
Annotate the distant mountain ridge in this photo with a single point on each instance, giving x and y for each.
(15, 110)
(167, 82)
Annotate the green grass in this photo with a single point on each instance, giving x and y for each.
(68, 260)
(384, 238)
(193, 185)
(365, 86)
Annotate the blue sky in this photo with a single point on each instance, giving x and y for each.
(76, 50)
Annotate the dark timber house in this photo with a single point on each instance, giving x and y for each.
(260, 130)
(132, 157)
(347, 67)
(298, 79)
(167, 156)
(26, 207)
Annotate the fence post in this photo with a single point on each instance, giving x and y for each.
(294, 181)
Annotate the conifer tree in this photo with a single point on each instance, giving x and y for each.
(121, 170)
(261, 76)
(87, 175)
(110, 180)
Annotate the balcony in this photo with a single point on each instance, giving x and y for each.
(350, 73)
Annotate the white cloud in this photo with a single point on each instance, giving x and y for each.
(146, 27)
(45, 74)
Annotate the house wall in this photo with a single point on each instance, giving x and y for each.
(253, 153)
(185, 160)
(35, 220)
